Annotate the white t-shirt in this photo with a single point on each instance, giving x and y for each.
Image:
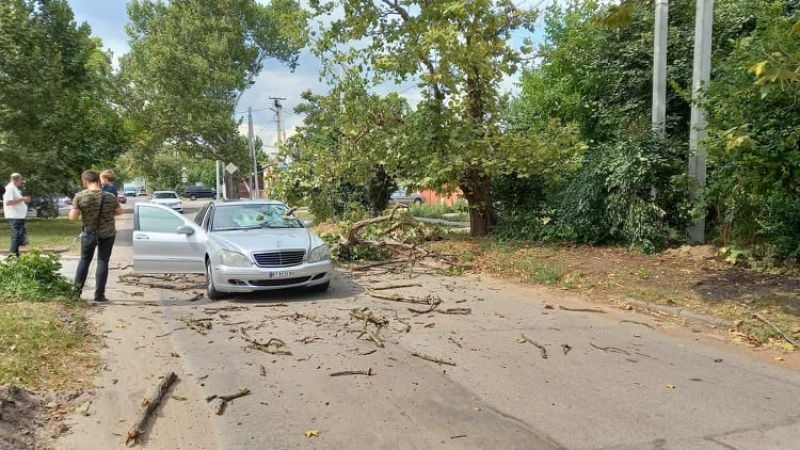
(18, 211)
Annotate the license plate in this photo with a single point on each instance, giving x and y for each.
(281, 274)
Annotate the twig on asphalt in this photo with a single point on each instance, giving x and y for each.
(777, 330)
(644, 324)
(168, 333)
(456, 311)
(273, 346)
(541, 347)
(433, 359)
(199, 325)
(222, 400)
(609, 349)
(394, 286)
(427, 300)
(271, 305)
(566, 348)
(454, 341)
(591, 310)
(367, 372)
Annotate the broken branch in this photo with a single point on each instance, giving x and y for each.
(541, 347)
(777, 330)
(644, 324)
(609, 349)
(591, 310)
(427, 300)
(273, 346)
(367, 372)
(433, 359)
(150, 404)
(395, 286)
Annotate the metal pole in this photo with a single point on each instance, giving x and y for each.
(218, 187)
(701, 74)
(659, 112)
(252, 148)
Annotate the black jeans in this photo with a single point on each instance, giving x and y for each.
(104, 247)
(18, 235)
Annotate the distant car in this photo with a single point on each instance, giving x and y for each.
(241, 246)
(121, 197)
(402, 198)
(169, 199)
(195, 192)
(142, 193)
(130, 192)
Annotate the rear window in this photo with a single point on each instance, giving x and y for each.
(165, 195)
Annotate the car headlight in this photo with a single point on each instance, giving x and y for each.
(319, 253)
(234, 259)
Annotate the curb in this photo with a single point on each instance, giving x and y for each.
(680, 313)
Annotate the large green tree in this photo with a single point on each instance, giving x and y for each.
(190, 61)
(459, 51)
(56, 86)
(347, 151)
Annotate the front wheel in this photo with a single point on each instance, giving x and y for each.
(417, 201)
(192, 197)
(211, 290)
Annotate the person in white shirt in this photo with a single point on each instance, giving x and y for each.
(15, 209)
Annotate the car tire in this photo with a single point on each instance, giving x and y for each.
(320, 287)
(417, 201)
(192, 197)
(211, 290)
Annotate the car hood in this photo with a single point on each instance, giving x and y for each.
(266, 239)
(168, 201)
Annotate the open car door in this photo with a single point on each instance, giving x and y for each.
(166, 242)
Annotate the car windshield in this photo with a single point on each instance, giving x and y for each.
(243, 217)
(165, 195)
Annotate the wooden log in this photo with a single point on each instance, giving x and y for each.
(149, 406)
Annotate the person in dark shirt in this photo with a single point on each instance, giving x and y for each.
(97, 210)
(107, 179)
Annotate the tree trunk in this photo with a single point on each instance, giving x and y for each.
(477, 190)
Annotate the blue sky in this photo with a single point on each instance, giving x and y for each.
(108, 18)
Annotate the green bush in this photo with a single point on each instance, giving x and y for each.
(34, 277)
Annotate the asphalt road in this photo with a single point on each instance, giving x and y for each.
(625, 381)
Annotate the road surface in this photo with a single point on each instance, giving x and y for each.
(612, 380)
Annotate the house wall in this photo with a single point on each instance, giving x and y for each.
(434, 198)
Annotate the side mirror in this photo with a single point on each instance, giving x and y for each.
(308, 223)
(185, 229)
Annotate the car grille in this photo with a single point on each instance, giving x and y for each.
(286, 258)
(278, 282)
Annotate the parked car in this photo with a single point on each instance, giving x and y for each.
(241, 246)
(195, 192)
(402, 198)
(141, 193)
(130, 192)
(169, 199)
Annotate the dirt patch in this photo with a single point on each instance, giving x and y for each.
(31, 419)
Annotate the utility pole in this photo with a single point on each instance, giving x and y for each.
(701, 74)
(251, 145)
(278, 109)
(659, 113)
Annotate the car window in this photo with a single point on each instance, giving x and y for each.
(242, 217)
(209, 215)
(198, 219)
(156, 220)
(165, 195)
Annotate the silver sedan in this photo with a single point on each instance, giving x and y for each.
(241, 246)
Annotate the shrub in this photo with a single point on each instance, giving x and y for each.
(34, 276)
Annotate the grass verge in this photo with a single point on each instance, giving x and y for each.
(45, 345)
(45, 234)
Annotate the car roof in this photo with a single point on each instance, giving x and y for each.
(165, 192)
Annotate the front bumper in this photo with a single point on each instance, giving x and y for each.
(250, 279)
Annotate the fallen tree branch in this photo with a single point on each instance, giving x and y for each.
(609, 349)
(389, 262)
(541, 347)
(367, 316)
(229, 397)
(273, 346)
(591, 310)
(367, 372)
(199, 325)
(644, 324)
(394, 286)
(777, 330)
(427, 300)
(225, 308)
(424, 311)
(150, 404)
(433, 359)
(456, 311)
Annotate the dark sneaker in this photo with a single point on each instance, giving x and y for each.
(101, 299)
